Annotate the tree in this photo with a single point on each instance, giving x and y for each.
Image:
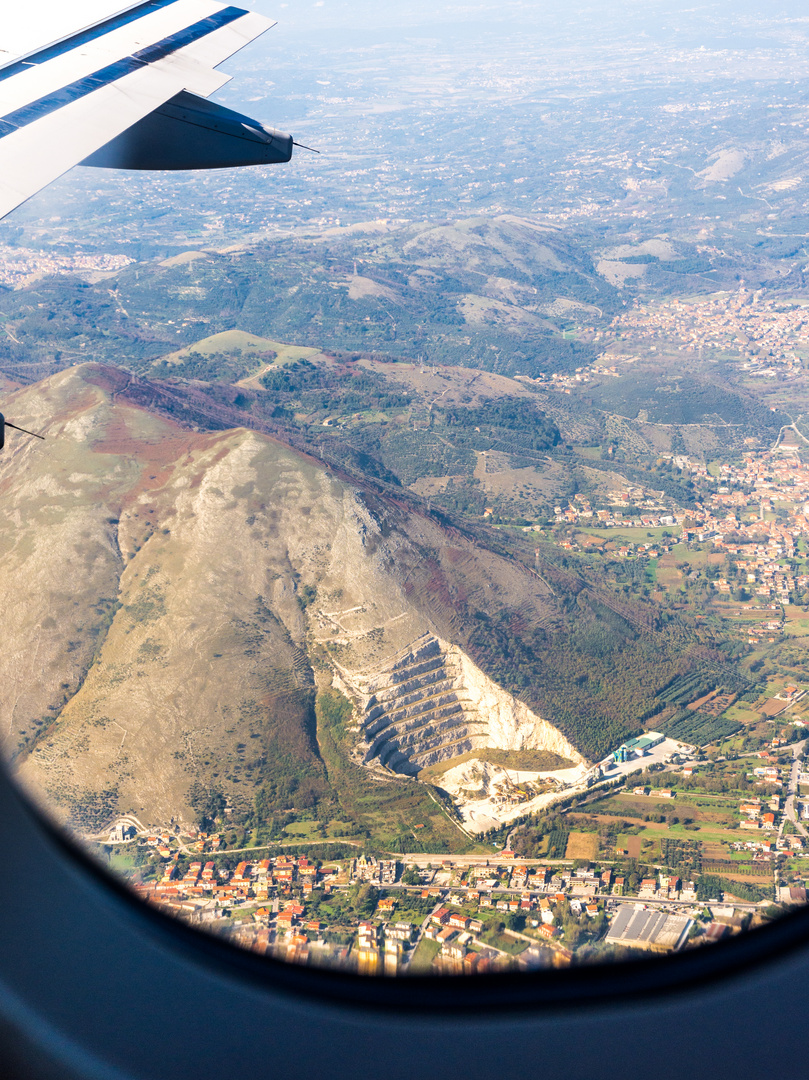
(572, 932)
(367, 899)
(208, 804)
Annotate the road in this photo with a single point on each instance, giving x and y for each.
(263, 849)
(495, 859)
(791, 427)
(509, 890)
(789, 805)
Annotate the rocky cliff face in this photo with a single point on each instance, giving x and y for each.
(431, 703)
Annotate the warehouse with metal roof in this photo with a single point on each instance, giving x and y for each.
(642, 928)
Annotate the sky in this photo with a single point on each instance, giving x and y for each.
(660, 19)
(359, 14)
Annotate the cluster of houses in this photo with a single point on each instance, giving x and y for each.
(162, 841)
(376, 871)
(462, 951)
(755, 816)
(762, 331)
(546, 886)
(763, 550)
(250, 880)
(271, 913)
(20, 265)
(652, 514)
(565, 382)
(582, 893)
(767, 774)
(381, 949)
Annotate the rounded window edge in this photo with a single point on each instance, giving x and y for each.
(593, 986)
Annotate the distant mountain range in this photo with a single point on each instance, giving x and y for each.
(493, 293)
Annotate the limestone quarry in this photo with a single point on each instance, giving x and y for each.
(490, 795)
(430, 703)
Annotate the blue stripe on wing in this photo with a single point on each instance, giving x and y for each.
(34, 110)
(91, 34)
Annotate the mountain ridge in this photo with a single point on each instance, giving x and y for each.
(204, 545)
(220, 580)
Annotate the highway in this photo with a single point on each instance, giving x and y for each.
(510, 890)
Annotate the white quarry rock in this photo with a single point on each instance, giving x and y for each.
(475, 786)
(512, 725)
(430, 703)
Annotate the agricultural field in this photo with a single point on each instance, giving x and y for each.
(630, 844)
(688, 816)
(696, 834)
(582, 845)
(742, 714)
(629, 535)
(796, 620)
(698, 728)
(697, 558)
(426, 952)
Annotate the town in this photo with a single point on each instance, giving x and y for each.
(21, 266)
(461, 916)
(753, 514)
(764, 331)
(472, 913)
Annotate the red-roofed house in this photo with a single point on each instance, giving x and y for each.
(458, 921)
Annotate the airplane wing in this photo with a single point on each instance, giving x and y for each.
(123, 88)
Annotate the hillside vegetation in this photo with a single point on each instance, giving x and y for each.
(472, 293)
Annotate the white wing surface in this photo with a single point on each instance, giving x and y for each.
(63, 98)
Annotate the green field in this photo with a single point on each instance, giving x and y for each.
(426, 952)
(741, 714)
(695, 558)
(306, 830)
(227, 342)
(122, 858)
(630, 535)
(505, 942)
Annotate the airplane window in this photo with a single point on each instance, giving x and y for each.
(412, 578)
